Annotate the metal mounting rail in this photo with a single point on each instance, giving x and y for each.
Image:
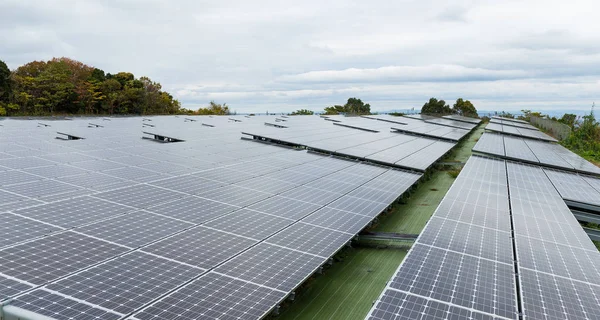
(67, 136)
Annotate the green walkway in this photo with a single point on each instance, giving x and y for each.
(348, 289)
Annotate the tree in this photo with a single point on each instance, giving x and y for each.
(214, 109)
(356, 106)
(568, 119)
(333, 110)
(302, 112)
(64, 85)
(464, 108)
(352, 106)
(5, 87)
(437, 107)
(5, 82)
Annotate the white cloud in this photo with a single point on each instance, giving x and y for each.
(406, 74)
(283, 55)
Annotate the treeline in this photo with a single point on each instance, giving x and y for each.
(67, 86)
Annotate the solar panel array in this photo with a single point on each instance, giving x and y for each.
(113, 226)
(522, 125)
(519, 132)
(365, 139)
(533, 151)
(462, 118)
(461, 266)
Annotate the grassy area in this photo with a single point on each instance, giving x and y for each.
(348, 288)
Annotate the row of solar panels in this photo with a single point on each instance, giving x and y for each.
(519, 132)
(461, 266)
(513, 124)
(108, 227)
(533, 151)
(493, 209)
(424, 144)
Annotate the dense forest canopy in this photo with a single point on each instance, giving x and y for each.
(67, 86)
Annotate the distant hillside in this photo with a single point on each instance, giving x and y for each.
(66, 86)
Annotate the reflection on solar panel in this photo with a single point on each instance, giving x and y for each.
(114, 226)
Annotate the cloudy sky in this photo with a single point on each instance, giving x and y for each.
(279, 56)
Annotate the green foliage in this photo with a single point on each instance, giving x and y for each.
(352, 106)
(464, 108)
(397, 114)
(214, 109)
(304, 112)
(585, 138)
(5, 82)
(568, 119)
(506, 115)
(63, 85)
(437, 107)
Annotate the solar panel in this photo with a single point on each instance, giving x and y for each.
(15, 229)
(24, 163)
(11, 201)
(14, 177)
(200, 247)
(54, 171)
(188, 184)
(338, 220)
(402, 306)
(10, 287)
(46, 190)
(135, 229)
(285, 207)
(573, 187)
(54, 256)
(59, 307)
(74, 212)
(490, 143)
(311, 195)
(96, 181)
(214, 296)
(460, 279)
(235, 195)
(267, 185)
(546, 296)
(359, 206)
(126, 283)
(249, 223)
(469, 239)
(272, 266)
(140, 196)
(311, 239)
(193, 209)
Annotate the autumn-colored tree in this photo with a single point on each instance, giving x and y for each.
(64, 85)
(214, 109)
